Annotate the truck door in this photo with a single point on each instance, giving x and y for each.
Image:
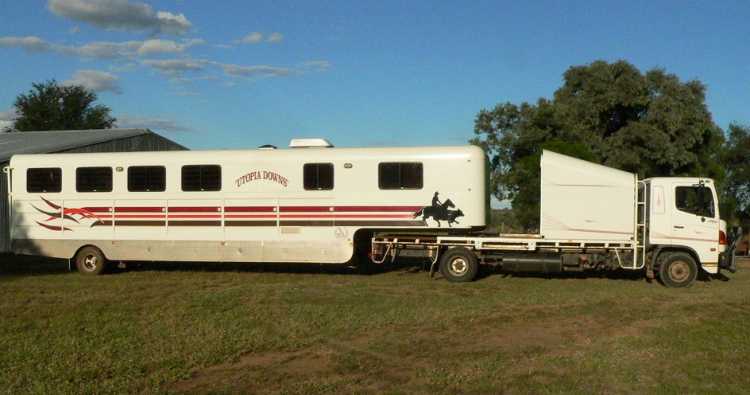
(695, 221)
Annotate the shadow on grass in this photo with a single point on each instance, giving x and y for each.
(284, 267)
(623, 275)
(19, 265)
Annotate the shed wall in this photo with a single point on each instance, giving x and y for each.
(4, 212)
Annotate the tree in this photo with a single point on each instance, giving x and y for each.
(736, 188)
(651, 124)
(49, 106)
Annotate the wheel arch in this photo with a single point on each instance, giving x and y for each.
(82, 246)
(666, 248)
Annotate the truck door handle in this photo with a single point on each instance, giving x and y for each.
(679, 227)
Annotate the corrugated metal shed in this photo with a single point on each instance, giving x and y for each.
(106, 140)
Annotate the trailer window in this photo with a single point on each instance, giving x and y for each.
(201, 178)
(696, 200)
(318, 176)
(400, 175)
(147, 179)
(43, 180)
(94, 179)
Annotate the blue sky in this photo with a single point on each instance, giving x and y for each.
(234, 74)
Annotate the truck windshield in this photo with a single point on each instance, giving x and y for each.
(697, 200)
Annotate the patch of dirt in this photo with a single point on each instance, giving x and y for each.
(531, 341)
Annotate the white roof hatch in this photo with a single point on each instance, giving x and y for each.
(310, 143)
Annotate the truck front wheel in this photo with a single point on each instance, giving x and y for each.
(678, 270)
(459, 265)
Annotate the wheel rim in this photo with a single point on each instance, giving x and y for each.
(679, 271)
(90, 262)
(458, 266)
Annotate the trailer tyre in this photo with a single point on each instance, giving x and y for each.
(678, 270)
(459, 265)
(90, 261)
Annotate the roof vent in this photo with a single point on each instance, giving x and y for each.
(310, 143)
(267, 146)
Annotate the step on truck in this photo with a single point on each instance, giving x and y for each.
(592, 217)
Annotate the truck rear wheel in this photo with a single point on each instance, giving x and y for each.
(459, 265)
(90, 260)
(678, 270)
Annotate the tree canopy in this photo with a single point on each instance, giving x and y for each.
(49, 106)
(736, 188)
(648, 123)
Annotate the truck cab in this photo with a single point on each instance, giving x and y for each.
(684, 216)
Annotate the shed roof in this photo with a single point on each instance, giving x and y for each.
(12, 143)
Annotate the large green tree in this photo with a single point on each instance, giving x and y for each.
(50, 106)
(648, 123)
(736, 196)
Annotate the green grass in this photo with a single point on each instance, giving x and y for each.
(325, 330)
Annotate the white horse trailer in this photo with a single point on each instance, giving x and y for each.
(310, 203)
(315, 203)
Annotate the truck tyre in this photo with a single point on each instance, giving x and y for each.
(90, 261)
(678, 270)
(459, 265)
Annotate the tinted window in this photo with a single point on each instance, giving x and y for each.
(94, 179)
(697, 200)
(318, 176)
(147, 179)
(43, 180)
(400, 176)
(201, 178)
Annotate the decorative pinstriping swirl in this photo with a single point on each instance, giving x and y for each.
(55, 212)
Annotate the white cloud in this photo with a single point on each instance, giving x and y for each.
(120, 15)
(251, 38)
(103, 49)
(275, 37)
(7, 118)
(154, 123)
(157, 46)
(257, 37)
(97, 81)
(316, 65)
(74, 30)
(29, 43)
(176, 67)
(255, 71)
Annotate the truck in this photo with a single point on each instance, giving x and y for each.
(317, 203)
(592, 217)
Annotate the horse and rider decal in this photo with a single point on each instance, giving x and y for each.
(440, 211)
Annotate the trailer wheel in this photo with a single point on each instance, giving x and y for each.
(678, 270)
(90, 261)
(459, 265)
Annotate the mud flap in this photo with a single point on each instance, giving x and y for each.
(727, 259)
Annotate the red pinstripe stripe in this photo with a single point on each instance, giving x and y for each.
(248, 209)
(194, 209)
(97, 209)
(250, 216)
(376, 208)
(139, 209)
(346, 216)
(194, 216)
(239, 209)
